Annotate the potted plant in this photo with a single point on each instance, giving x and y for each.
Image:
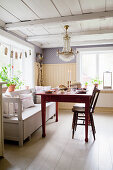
(96, 82)
(11, 82)
(86, 84)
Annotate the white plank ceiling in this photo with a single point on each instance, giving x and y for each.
(41, 22)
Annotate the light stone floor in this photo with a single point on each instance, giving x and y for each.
(58, 151)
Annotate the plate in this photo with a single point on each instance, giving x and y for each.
(81, 91)
(63, 88)
(49, 91)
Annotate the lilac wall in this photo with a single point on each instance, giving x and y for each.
(50, 54)
(51, 57)
(38, 49)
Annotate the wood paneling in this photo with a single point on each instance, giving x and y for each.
(6, 16)
(39, 18)
(18, 9)
(56, 74)
(36, 73)
(44, 9)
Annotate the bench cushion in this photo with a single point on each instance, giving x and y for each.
(27, 113)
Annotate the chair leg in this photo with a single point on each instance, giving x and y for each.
(92, 125)
(74, 123)
(73, 126)
(76, 119)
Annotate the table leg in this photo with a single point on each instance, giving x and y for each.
(86, 120)
(43, 108)
(56, 111)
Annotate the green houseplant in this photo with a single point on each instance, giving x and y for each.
(12, 82)
(96, 82)
(86, 84)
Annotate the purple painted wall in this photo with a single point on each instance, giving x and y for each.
(51, 57)
(50, 54)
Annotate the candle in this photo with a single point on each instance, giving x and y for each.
(70, 75)
(68, 78)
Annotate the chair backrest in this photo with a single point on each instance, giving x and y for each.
(94, 98)
(93, 95)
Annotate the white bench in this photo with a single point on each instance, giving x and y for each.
(20, 125)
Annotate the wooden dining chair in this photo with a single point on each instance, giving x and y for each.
(79, 113)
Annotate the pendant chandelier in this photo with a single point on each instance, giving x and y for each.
(67, 54)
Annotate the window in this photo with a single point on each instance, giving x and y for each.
(94, 64)
(20, 60)
(4, 59)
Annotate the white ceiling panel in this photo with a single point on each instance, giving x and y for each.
(62, 7)
(37, 30)
(59, 27)
(18, 9)
(91, 37)
(26, 31)
(68, 7)
(2, 23)
(73, 26)
(43, 20)
(106, 23)
(6, 16)
(109, 5)
(92, 5)
(74, 6)
(19, 33)
(54, 28)
(43, 8)
(89, 25)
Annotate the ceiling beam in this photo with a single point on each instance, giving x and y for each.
(94, 32)
(81, 43)
(2, 24)
(78, 17)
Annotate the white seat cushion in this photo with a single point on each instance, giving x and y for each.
(27, 113)
(33, 110)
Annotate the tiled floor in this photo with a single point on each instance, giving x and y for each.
(58, 151)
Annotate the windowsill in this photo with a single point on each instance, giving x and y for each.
(106, 90)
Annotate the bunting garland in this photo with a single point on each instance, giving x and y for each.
(25, 54)
(20, 55)
(6, 51)
(29, 52)
(11, 54)
(15, 53)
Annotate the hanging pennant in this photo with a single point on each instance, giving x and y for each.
(6, 51)
(29, 52)
(11, 55)
(25, 54)
(16, 55)
(20, 55)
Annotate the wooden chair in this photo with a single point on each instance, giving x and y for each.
(79, 113)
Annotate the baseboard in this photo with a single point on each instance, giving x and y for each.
(104, 109)
(97, 109)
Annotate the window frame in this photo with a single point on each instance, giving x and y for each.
(82, 51)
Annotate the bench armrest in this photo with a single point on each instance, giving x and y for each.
(16, 104)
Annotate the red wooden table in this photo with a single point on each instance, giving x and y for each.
(66, 97)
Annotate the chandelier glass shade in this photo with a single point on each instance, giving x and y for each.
(67, 54)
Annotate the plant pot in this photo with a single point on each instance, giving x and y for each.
(86, 86)
(11, 88)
